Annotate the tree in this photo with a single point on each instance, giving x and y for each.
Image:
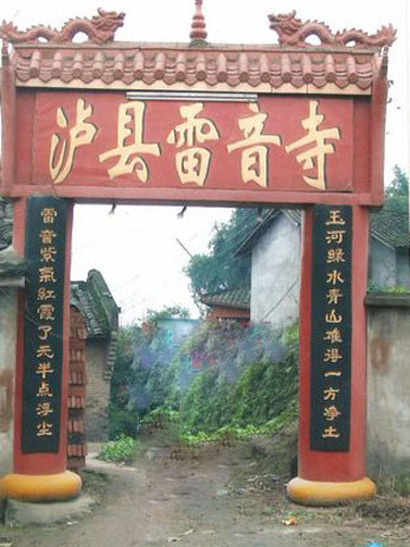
(167, 312)
(395, 212)
(221, 269)
(397, 192)
(123, 417)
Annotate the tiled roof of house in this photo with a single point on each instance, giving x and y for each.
(237, 298)
(387, 226)
(11, 265)
(293, 64)
(261, 226)
(391, 228)
(95, 301)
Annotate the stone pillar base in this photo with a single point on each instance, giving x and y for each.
(329, 493)
(57, 487)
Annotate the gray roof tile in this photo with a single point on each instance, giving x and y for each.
(237, 298)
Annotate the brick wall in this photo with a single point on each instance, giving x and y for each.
(76, 446)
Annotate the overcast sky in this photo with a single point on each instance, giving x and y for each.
(136, 248)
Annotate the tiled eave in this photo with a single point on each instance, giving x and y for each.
(263, 69)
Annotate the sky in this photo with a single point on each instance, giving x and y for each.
(136, 248)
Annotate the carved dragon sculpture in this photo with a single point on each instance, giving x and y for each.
(99, 29)
(293, 32)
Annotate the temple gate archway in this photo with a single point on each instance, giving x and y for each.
(105, 121)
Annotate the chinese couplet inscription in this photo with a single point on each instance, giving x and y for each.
(331, 328)
(43, 324)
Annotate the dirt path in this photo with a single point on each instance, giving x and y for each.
(216, 497)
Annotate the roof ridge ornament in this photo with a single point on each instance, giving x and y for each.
(198, 32)
(100, 29)
(294, 32)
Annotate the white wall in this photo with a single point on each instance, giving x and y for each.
(276, 274)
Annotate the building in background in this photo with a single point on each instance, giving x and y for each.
(233, 305)
(12, 272)
(275, 247)
(93, 299)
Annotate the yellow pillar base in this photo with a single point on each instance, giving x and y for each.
(329, 493)
(58, 487)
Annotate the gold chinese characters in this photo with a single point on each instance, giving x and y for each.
(191, 144)
(334, 359)
(193, 163)
(62, 153)
(130, 153)
(45, 312)
(254, 159)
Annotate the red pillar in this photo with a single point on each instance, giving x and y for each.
(334, 476)
(40, 476)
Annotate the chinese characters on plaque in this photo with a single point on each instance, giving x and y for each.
(251, 146)
(330, 376)
(43, 324)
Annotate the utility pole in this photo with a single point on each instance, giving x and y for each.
(183, 246)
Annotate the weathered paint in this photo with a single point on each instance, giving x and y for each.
(37, 464)
(8, 324)
(275, 274)
(388, 408)
(347, 174)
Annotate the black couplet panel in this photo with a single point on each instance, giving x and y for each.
(330, 376)
(43, 324)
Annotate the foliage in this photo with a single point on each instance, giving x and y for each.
(220, 269)
(247, 384)
(122, 450)
(397, 192)
(231, 431)
(397, 289)
(161, 416)
(122, 420)
(398, 484)
(123, 417)
(251, 377)
(396, 204)
(145, 376)
(167, 312)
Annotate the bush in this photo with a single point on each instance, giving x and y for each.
(247, 384)
(207, 404)
(122, 450)
(235, 392)
(122, 421)
(160, 417)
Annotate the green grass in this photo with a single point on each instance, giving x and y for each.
(398, 484)
(122, 450)
(232, 431)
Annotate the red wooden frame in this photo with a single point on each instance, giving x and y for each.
(29, 121)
